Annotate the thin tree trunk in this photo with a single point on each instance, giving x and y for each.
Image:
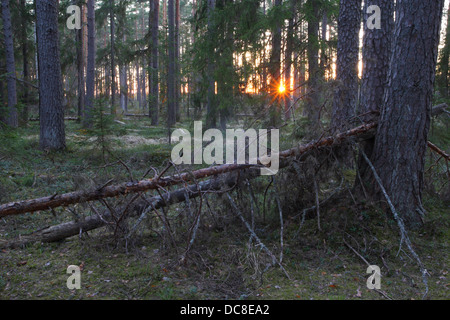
(323, 55)
(275, 68)
(312, 99)
(51, 113)
(11, 118)
(24, 41)
(346, 94)
(80, 64)
(153, 63)
(90, 72)
(177, 61)
(211, 112)
(171, 116)
(288, 61)
(113, 64)
(123, 87)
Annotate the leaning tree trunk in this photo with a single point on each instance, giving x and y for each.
(51, 112)
(11, 118)
(401, 140)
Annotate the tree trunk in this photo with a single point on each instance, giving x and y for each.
(153, 100)
(288, 60)
(312, 99)
(11, 118)
(211, 107)
(376, 54)
(323, 55)
(346, 94)
(113, 64)
(401, 140)
(90, 72)
(80, 65)
(442, 79)
(123, 86)
(51, 113)
(24, 40)
(177, 61)
(275, 67)
(171, 116)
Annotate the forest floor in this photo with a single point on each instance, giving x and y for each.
(224, 262)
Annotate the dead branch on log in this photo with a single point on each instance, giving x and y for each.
(27, 83)
(439, 109)
(438, 151)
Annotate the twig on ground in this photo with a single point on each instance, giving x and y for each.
(316, 190)
(277, 198)
(249, 228)
(403, 232)
(356, 252)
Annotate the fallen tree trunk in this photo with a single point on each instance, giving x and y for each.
(73, 228)
(66, 199)
(218, 183)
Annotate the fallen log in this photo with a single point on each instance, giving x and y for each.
(49, 202)
(217, 184)
(73, 228)
(438, 151)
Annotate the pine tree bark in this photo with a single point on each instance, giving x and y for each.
(51, 112)
(346, 94)
(376, 54)
(11, 117)
(401, 140)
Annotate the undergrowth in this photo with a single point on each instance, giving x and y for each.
(325, 252)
